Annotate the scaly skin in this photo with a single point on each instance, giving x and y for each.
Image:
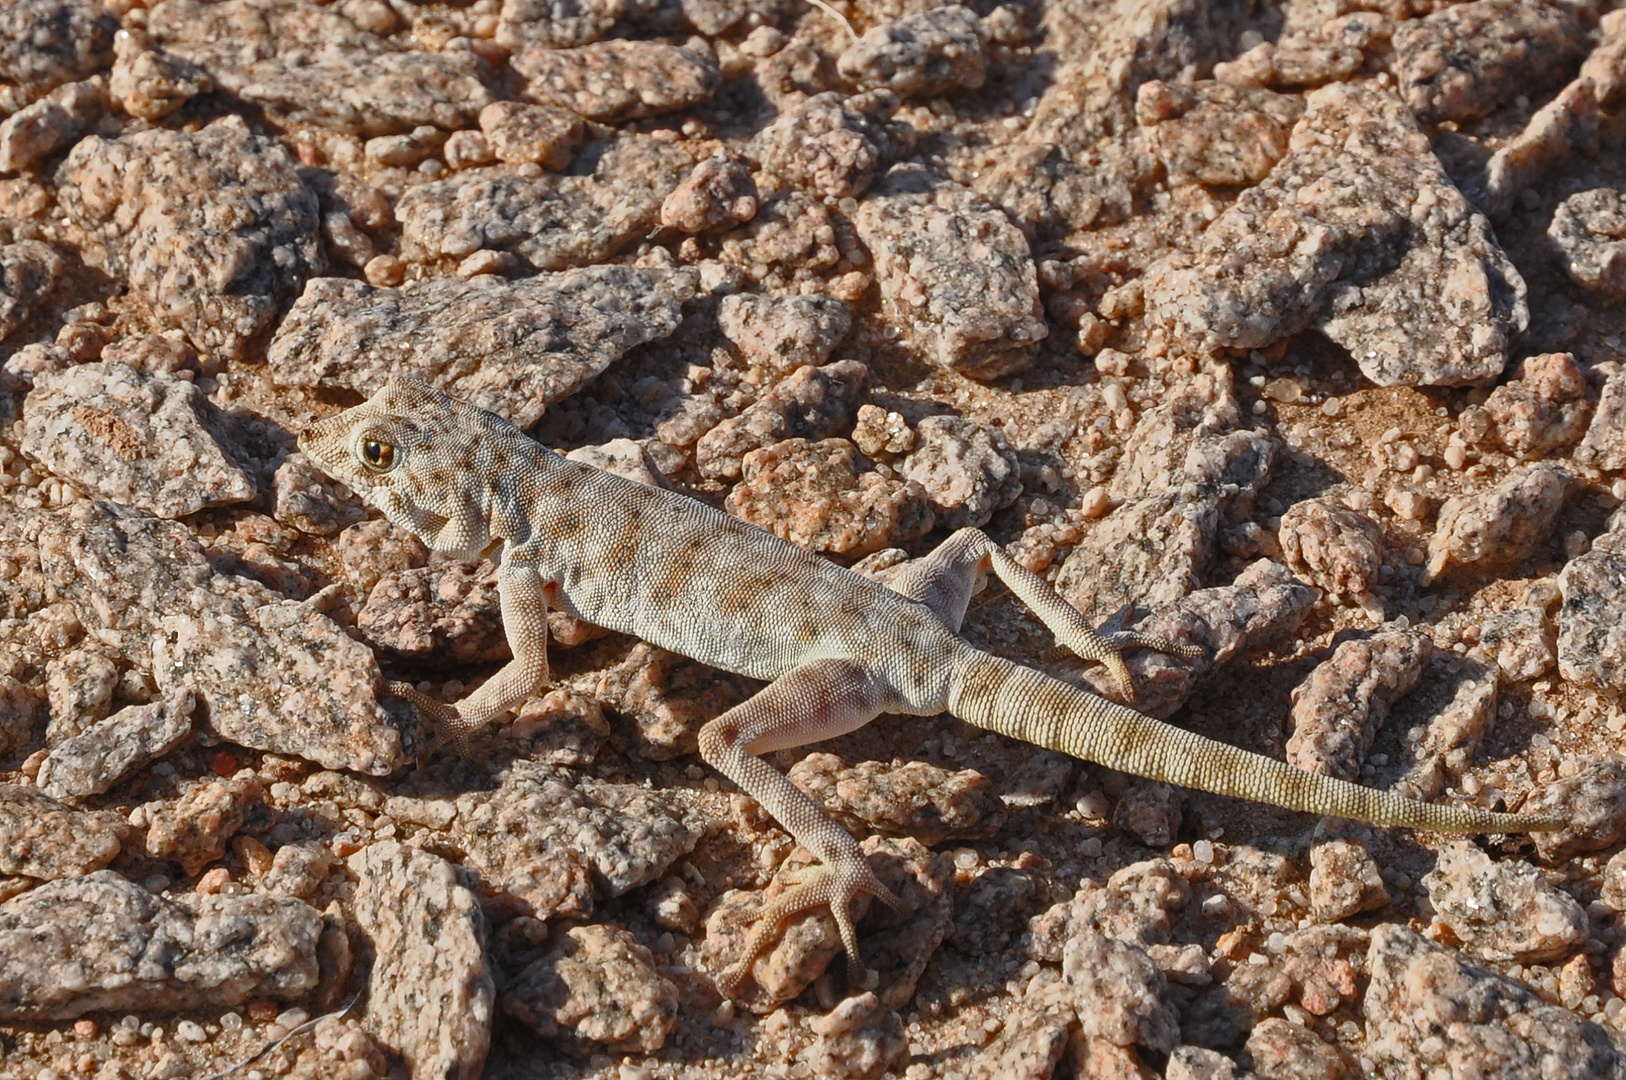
(838, 649)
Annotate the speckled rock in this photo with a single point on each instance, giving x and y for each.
(151, 442)
(518, 133)
(122, 570)
(822, 496)
(963, 470)
(42, 838)
(308, 499)
(99, 943)
(610, 200)
(1357, 231)
(913, 798)
(1338, 549)
(559, 24)
(859, 1039)
(1135, 905)
(1498, 527)
(1281, 1050)
(95, 760)
(79, 684)
(667, 698)
(1523, 640)
(1542, 409)
(33, 133)
(251, 668)
(831, 145)
(1589, 232)
(430, 993)
(1118, 992)
(508, 346)
(1188, 465)
(446, 614)
(296, 870)
(781, 334)
(625, 835)
(1465, 60)
(150, 83)
(620, 79)
(560, 728)
(1503, 910)
(305, 64)
(1592, 622)
(213, 229)
(45, 43)
(1448, 743)
(1034, 1037)
(1591, 804)
(28, 270)
(793, 238)
(812, 403)
(927, 54)
(195, 829)
(1199, 1063)
(1427, 1008)
(954, 274)
(1337, 711)
(992, 910)
(1567, 125)
(596, 989)
(1211, 133)
(1344, 881)
(718, 193)
(1602, 446)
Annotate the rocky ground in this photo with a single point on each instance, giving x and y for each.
(1293, 326)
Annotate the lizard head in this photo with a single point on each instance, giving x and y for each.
(414, 453)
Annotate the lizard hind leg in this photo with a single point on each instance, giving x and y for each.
(817, 700)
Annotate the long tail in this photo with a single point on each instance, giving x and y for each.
(1010, 699)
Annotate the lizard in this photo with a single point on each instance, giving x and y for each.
(836, 649)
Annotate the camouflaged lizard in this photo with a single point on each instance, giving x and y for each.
(836, 648)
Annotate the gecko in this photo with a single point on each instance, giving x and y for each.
(835, 648)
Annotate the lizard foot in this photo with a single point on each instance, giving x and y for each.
(1107, 646)
(448, 722)
(817, 886)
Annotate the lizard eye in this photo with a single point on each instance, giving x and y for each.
(378, 455)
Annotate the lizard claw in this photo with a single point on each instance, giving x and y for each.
(817, 886)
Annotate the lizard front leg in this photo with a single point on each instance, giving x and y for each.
(946, 579)
(523, 596)
(818, 700)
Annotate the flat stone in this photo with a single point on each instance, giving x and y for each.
(954, 273)
(619, 80)
(151, 442)
(42, 838)
(99, 943)
(430, 993)
(609, 200)
(509, 346)
(281, 677)
(93, 761)
(306, 64)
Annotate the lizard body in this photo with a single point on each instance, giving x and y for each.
(837, 648)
